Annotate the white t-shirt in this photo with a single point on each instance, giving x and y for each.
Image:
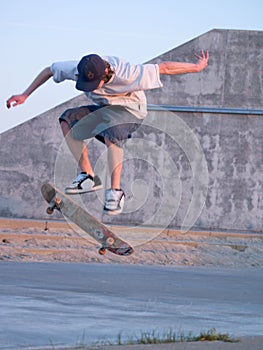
(126, 87)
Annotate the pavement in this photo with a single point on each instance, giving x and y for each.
(250, 343)
(63, 305)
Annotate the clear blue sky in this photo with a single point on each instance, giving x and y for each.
(33, 34)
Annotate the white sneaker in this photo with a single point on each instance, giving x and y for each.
(84, 183)
(114, 202)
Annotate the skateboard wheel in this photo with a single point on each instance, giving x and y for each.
(50, 211)
(102, 251)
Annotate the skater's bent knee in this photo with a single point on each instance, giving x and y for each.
(65, 127)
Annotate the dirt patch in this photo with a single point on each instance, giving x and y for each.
(28, 240)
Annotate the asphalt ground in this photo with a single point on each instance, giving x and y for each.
(64, 305)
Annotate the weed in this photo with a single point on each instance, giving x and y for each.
(170, 336)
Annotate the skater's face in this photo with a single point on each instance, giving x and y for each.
(104, 79)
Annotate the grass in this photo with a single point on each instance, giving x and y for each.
(212, 335)
(170, 336)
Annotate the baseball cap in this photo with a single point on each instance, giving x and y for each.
(91, 69)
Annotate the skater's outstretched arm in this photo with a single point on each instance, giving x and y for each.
(172, 68)
(40, 79)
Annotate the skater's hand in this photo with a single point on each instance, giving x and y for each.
(16, 100)
(202, 60)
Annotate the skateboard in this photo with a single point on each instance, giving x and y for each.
(75, 213)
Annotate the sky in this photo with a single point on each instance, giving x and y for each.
(34, 34)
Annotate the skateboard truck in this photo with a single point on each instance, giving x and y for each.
(109, 242)
(54, 204)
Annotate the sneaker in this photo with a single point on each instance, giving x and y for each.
(114, 202)
(84, 183)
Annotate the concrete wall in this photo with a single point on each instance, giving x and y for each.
(200, 168)
(233, 79)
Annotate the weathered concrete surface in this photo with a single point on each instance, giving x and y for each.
(28, 155)
(234, 77)
(160, 180)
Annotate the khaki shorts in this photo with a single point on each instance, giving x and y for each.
(114, 122)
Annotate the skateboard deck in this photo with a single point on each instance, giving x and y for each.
(59, 201)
